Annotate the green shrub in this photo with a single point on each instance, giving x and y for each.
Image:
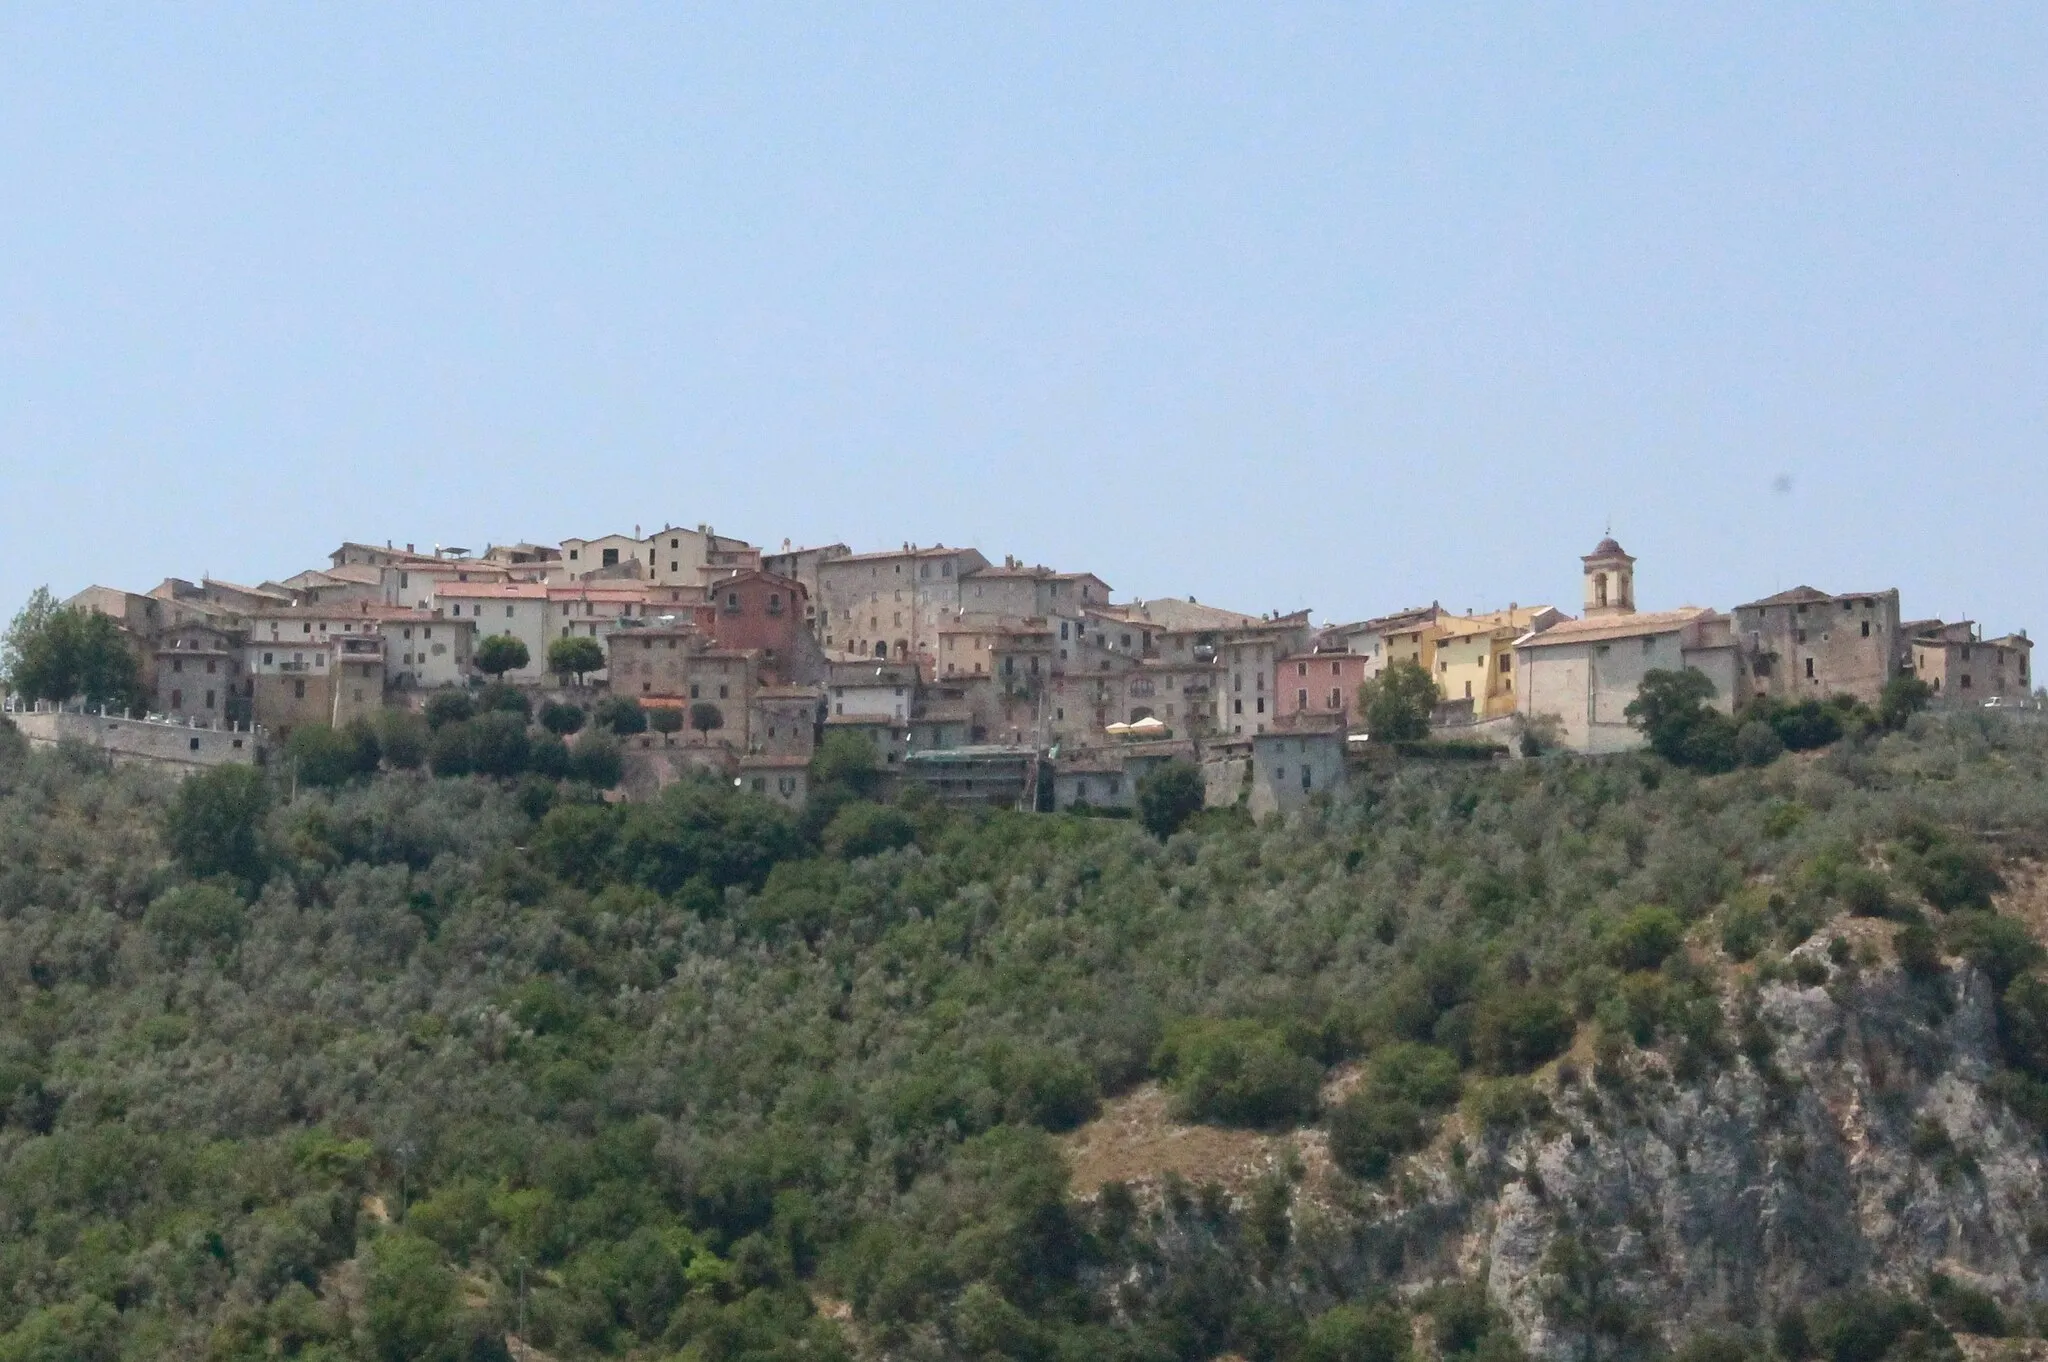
(1516, 1028)
(2000, 946)
(215, 823)
(449, 707)
(195, 918)
(1744, 930)
(1353, 1333)
(1500, 1104)
(620, 714)
(561, 718)
(1644, 938)
(597, 761)
(403, 735)
(1237, 1073)
(1168, 796)
(1951, 875)
(1868, 1326)
(1965, 1308)
(1757, 744)
(867, 830)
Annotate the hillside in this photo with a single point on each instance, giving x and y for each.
(1580, 1060)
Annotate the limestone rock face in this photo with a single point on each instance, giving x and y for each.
(1864, 1149)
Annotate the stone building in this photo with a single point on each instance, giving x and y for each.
(890, 605)
(784, 779)
(1806, 644)
(323, 678)
(802, 565)
(1292, 765)
(766, 611)
(1585, 672)
(198, 675)
(783, 721)
(1965, 668)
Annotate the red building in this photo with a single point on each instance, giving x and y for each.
(1319, 683)
(758, 610)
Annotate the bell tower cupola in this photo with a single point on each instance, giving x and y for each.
(1610, 580)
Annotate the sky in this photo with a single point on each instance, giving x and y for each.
(1342, 307)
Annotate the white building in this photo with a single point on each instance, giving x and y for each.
(1585, 672)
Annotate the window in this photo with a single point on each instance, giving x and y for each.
(1966, 680)
(1262, 704)
(611, 557)
(1301, 699)
(177, 699)
(269, 658)
(298, 690)
(1301, 669)
(1809, 669)
(209, 699)
(1468, 690)
(1237, 706)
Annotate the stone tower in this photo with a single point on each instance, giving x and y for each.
(1610, 581)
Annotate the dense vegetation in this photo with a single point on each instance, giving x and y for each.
(393, 1065)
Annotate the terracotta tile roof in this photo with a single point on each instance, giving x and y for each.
(494, 591)
(1600, 628)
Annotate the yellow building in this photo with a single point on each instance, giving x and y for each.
(1474, 656)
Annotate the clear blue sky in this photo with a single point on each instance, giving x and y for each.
(1348, 307)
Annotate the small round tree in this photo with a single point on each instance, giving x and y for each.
(665, 720)
(561, 719)
(1397, 703)
(1169, 796)
(575, 656)
(621, 714)
(501, 653)
(705, 716)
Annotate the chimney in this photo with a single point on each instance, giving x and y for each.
(408, 548)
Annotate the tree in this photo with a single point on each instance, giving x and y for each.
(1901, 699)
(705, 716)
(621, 714)
(862, 829)
(1352, 1333)
(403, 736)
(215, 823)
(61, 652)
(411, 1301)
(846, 763)
(449, 707)
(1168, 796)
(498, 745)
(1671, 711)
(501, 653)
(1397, 703)
(596, 761)
(665, 720)
(500, 697)
(327, 756)
(561, 718)
(30, 625)
(575, 656)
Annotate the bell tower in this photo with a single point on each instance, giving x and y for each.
(1610, 580)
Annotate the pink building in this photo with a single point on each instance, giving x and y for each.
(1319, 683)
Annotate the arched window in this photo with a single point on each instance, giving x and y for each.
(1599, 588)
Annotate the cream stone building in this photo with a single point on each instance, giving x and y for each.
(1585, 672)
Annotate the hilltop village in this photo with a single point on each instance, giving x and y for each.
(988, 681)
